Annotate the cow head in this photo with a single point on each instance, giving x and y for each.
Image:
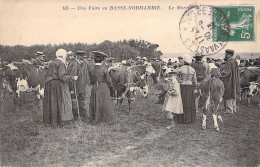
(253, 89)
(15, 78)
(131, 91)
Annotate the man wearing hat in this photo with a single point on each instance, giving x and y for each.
(143, 60)
(129, 61)
(138, 61)
(202, 72)
(231, 79)
(181, 62)
(109, 62)
(38, 61)
(201, 68)
(156, 66)
(74, 68)
(169, 63)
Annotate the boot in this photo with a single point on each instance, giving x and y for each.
(171, 126)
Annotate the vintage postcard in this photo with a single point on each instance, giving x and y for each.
(129, 83)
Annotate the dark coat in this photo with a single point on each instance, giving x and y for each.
(231, 79)
(74, 69)
(37, 62)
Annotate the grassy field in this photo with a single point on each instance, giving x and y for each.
(138, 138)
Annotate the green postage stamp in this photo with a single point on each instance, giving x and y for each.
(241, 23)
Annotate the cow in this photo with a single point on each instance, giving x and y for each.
(211, 91)
(253, 90)
(24, 78)
(249, 78)
(144, 71)
(126, 81)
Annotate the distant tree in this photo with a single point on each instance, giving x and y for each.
(119, 50)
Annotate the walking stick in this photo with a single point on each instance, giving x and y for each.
(75, 92)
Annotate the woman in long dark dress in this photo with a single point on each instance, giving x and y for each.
(188, 81)
(57, 105)
(101, 105)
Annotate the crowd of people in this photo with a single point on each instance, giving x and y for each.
(77, 86)
(181, 94)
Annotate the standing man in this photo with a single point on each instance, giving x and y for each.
(231, 79)
(202, 73)
(181, 62)
(156, 67)
(138, 61)
(74, 68)
(169, 64)
(38, 61)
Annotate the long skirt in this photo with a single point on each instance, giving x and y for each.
(101, 105)
(188, 102)
(57, 104)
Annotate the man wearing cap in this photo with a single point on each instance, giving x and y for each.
(38, 61)
(202, 73)
(231, 79)
(74, 68)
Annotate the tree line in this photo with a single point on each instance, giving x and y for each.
(120, 50)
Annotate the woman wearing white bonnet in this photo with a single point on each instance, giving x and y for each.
(188, 81)
(57, 105)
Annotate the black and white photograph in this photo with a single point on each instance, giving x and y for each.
(122, 83)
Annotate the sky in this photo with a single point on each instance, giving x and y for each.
(31, 22)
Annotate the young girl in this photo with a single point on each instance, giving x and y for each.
(173, 101)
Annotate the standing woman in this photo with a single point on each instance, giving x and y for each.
(100, 107)
(188, 83)
(57, 105)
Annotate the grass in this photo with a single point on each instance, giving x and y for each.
(136, 139)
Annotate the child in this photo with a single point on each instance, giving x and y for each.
(173, 101)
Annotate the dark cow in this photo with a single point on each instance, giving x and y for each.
(212, 91)
(249, 79)
(24, 78)
(126, 81)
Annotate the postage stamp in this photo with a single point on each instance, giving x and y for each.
(241, 21)
(198, 27)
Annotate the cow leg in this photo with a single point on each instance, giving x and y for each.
(15, 101)
(218, 114)
(204, 118)
(215, 122)
(129, 105)
(214, 108)
(248, 101)
(2, 101)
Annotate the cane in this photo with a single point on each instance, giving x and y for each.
(75, 92)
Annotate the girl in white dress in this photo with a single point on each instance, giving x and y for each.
(173, 101)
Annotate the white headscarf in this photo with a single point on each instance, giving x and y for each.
(61, 54)
(187, 58)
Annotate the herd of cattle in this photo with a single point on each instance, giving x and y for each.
(23, 77)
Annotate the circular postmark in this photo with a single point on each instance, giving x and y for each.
(204, 29)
